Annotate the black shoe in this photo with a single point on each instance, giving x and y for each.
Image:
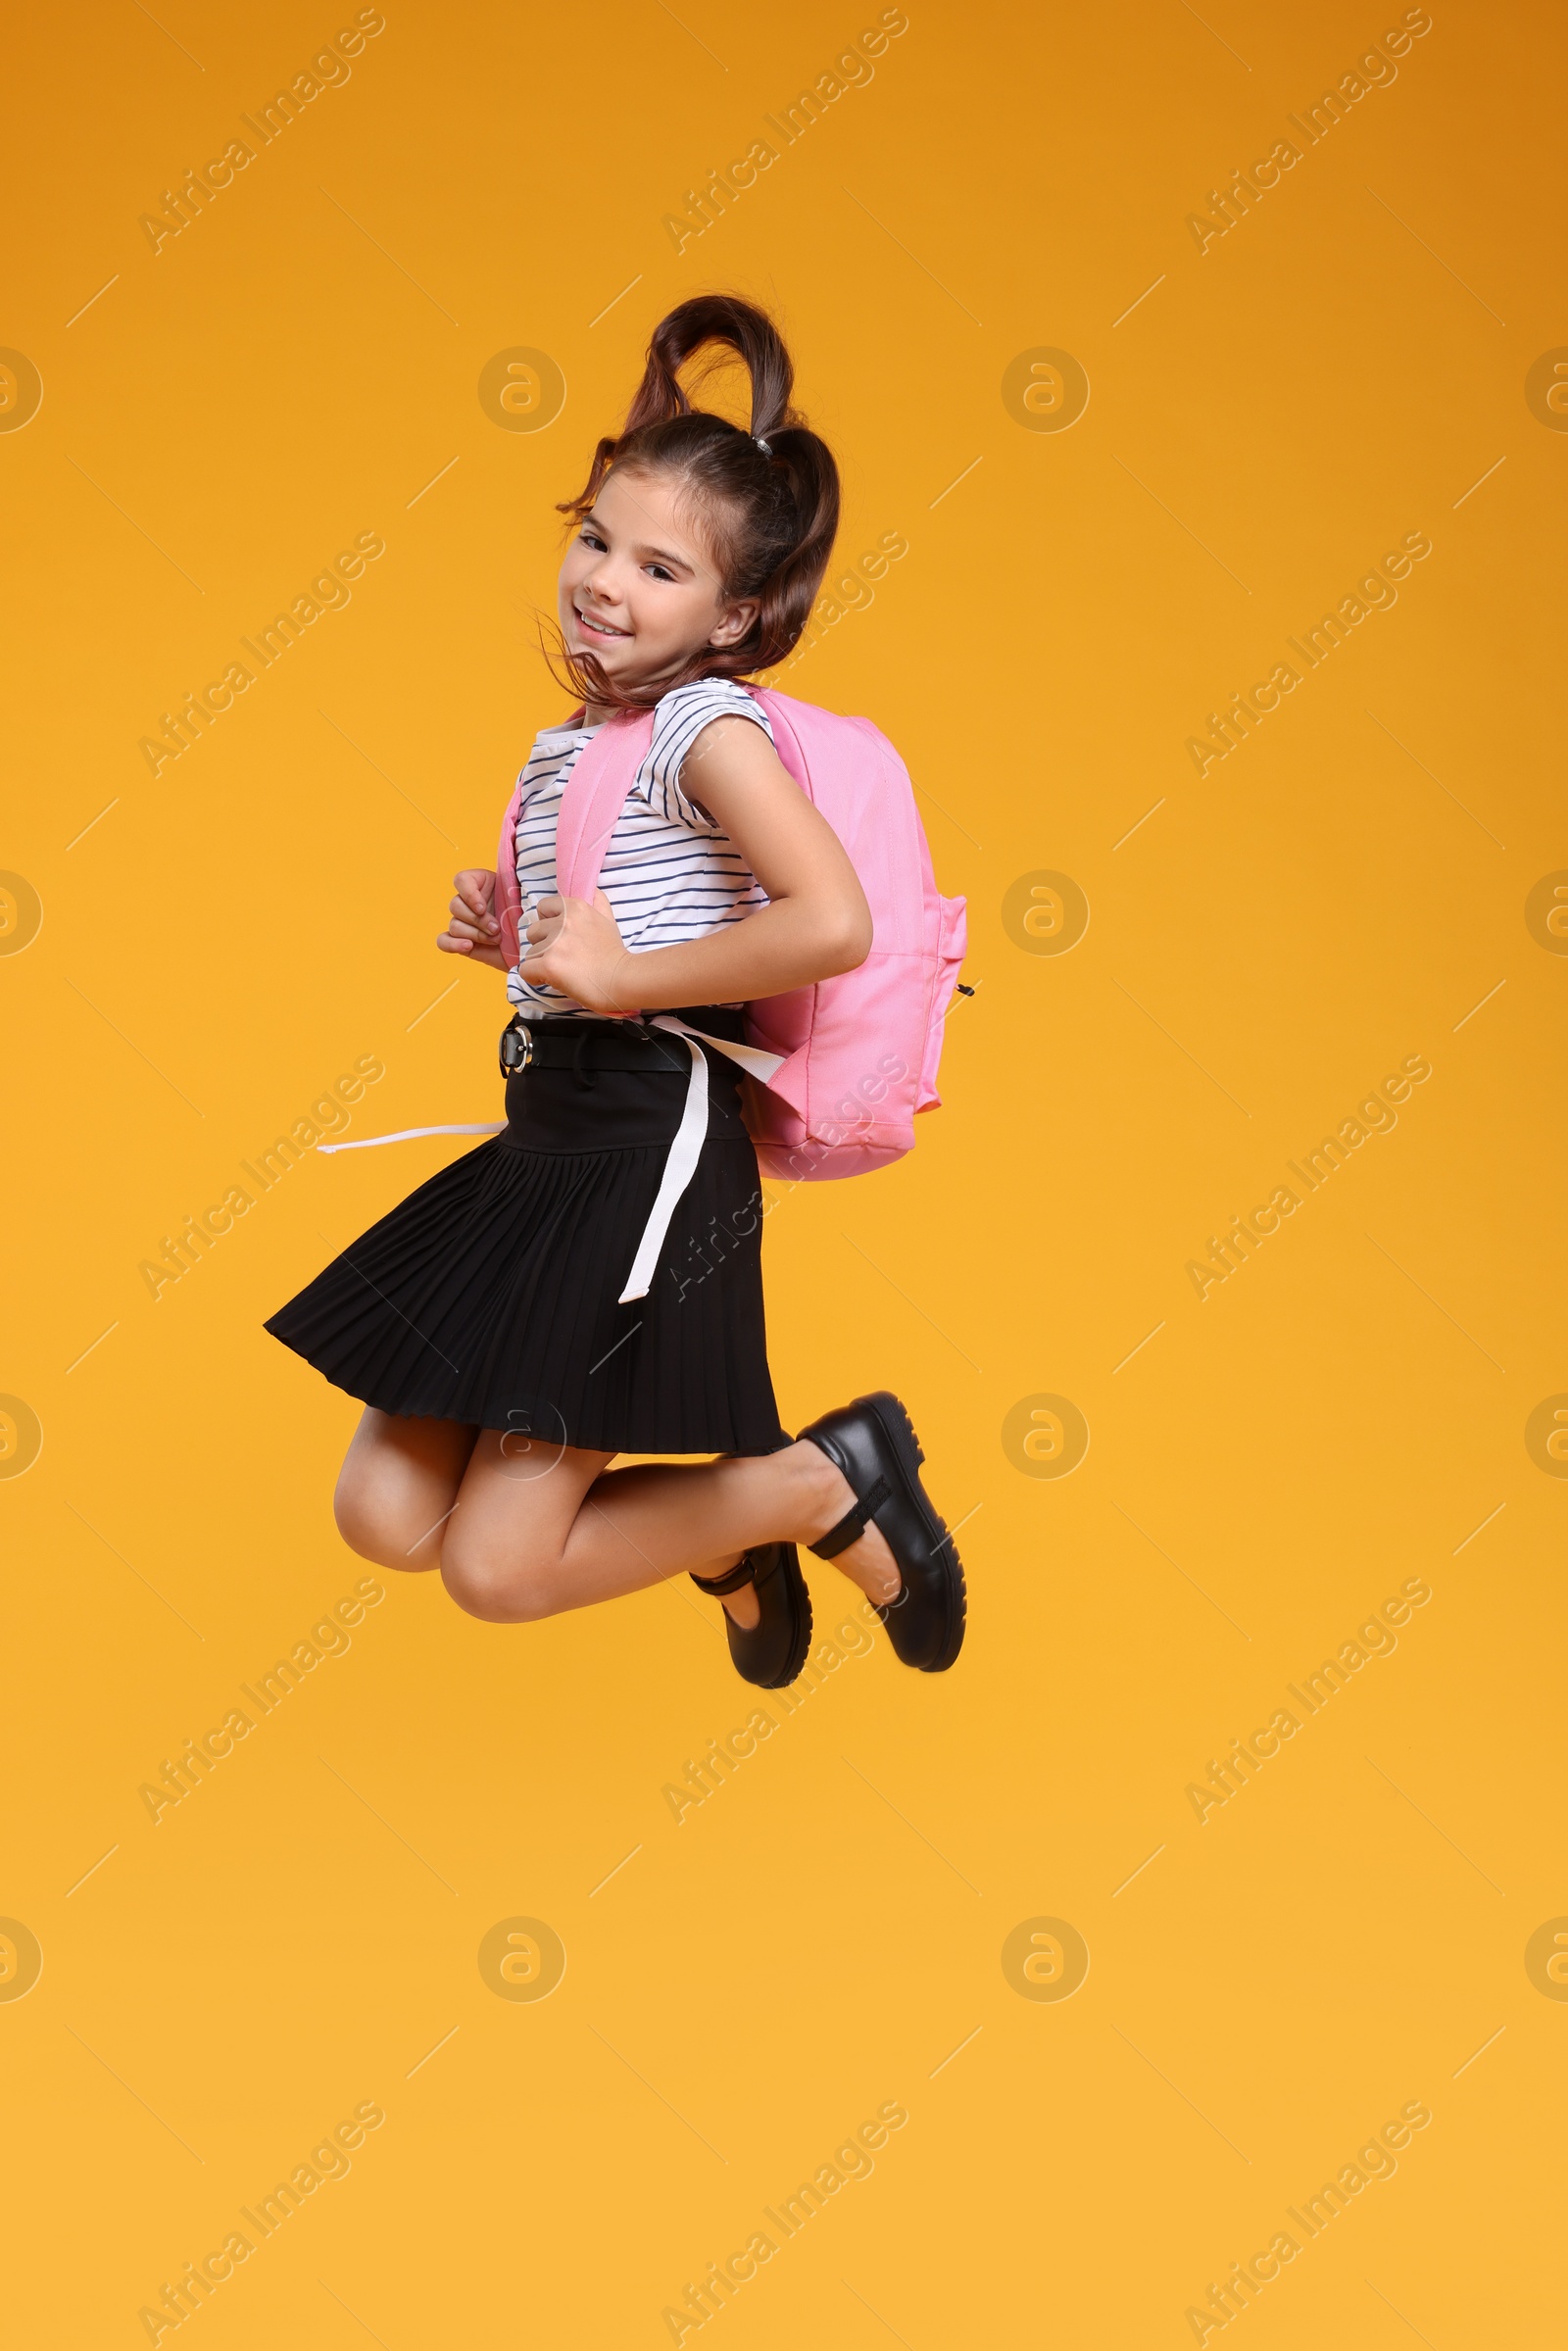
(873, 1444)
(772, 1651)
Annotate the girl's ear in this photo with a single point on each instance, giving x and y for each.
(736, 620)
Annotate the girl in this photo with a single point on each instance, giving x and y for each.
(481, 1322)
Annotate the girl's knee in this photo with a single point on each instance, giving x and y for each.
(398, 1486)
(500, 1592)
(373, 1530)
(355, 1522)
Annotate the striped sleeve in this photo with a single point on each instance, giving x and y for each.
(677, 723)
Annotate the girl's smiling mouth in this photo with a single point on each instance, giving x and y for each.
(598, 628)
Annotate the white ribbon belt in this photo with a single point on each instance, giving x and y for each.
(367, 1143)
(684, 1151)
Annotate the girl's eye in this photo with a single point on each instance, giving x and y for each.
(591, 538)
(661, 572)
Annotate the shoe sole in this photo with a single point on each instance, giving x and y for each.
(795, 1662)
(899, 1430)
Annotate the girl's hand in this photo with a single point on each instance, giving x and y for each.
(576, 948)
(473, 930)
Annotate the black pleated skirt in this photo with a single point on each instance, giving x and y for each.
(488, 1296)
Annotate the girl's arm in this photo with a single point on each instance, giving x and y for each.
(816, 922)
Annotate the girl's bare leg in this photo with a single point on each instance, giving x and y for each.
(398, 1486)
(525, 1540)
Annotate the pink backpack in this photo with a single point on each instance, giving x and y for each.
(860, 1053)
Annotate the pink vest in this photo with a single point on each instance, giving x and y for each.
(860, 1051)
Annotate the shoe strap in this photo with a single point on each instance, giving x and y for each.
(720, 1585)
(851, 1526)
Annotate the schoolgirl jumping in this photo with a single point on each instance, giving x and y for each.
(697, 946)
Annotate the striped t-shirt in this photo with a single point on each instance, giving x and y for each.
(670, 874)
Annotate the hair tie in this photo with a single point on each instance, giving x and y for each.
(761, 444)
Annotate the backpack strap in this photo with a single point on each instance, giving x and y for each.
(595, 795)
(786, 741)
(587, 818)
(507, 904)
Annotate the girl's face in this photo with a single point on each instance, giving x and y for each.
(639, 589)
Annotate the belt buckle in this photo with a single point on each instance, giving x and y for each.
(516, 1047)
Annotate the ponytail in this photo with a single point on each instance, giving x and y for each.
(769, 496)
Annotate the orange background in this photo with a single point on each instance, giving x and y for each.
(1347, 1413)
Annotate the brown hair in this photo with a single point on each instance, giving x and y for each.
(771, 513)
